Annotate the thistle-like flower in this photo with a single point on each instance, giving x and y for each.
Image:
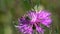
(32, 20)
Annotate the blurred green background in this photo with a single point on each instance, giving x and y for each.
(11, 10)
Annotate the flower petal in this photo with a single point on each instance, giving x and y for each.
(32, 15)
(45, 18)
(25, 29)
(39, 30)
(43, 14)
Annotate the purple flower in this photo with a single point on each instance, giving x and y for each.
(32, 20)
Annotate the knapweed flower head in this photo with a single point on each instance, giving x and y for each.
(31, 21)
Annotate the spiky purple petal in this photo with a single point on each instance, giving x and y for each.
(34, 18)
